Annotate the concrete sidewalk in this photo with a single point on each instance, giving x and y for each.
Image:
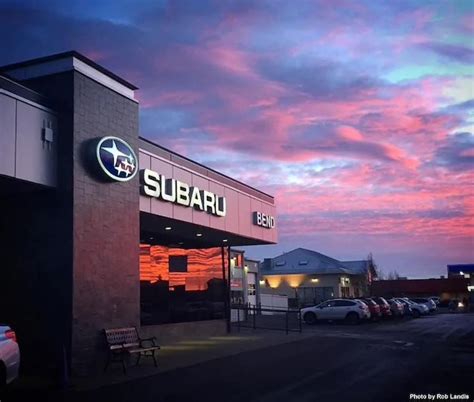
(188, 353)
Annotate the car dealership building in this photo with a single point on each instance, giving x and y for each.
(101, 228)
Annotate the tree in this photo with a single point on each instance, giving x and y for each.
(393, 275)
(378, 271)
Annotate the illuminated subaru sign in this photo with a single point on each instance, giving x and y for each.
(158, 186)
(116, 159)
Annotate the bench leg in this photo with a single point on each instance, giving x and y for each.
(107, 362)
(124, 367)
(138, 359)
(154, 358)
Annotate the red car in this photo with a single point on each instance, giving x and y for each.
(384, 306)
(374, 308)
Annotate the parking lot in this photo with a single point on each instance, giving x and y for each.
(385, 361)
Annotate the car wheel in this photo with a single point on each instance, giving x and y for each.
(416, 313)
(310, 318)
(352, 318)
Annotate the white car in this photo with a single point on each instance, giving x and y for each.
(9, 356)
(337, 309)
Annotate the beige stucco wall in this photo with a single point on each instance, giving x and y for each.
(286, 284)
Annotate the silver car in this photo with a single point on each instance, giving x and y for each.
(9, 356)
(427, 302)
(417, 308)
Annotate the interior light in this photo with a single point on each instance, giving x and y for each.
(314, 280)
(198, 234)
(168, 228)
(224, 241)
(262, 282)
(461, 273)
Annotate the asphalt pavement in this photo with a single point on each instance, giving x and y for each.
(386, 362)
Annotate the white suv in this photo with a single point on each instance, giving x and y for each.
(337, 309)
(9, 356)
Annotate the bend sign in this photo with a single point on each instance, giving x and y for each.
(263, 220)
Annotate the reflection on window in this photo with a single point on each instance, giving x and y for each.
(236, 277)
(179, 285)
(310, 296)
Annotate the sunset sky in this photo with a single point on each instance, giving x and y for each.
(357, 115)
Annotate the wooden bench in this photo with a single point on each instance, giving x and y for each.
(124, 342)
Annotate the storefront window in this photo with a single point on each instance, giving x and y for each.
(179, 285)
(310, 296)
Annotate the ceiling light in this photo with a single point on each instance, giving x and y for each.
(168, 228)
(198, 234)
(224, 241)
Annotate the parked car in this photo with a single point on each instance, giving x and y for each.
(417, 308)
(407, 308)
(396, 308)
(456, 305)
(436, 299)
(384, 306)
(351, 311)
(9, 356)
(427, 302)
(374, 308)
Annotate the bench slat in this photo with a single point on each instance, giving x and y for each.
(143, 349)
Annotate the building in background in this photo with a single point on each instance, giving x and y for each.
(307, 277)
(444, 288)
(465, 271)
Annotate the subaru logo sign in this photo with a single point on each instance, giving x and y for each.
(116, 158)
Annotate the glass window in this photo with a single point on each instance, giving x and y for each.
(322, 293)
(343, 303)
(345, 291)
(178, 285)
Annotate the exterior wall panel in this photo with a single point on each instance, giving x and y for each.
(200, 218)
(145, 163)
(179, 212)
(35, 159)
(7, 135)
(232, 217)
(216, 222)
(245, 215)
(158, 207)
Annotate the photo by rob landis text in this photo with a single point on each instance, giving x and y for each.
(440, 397)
